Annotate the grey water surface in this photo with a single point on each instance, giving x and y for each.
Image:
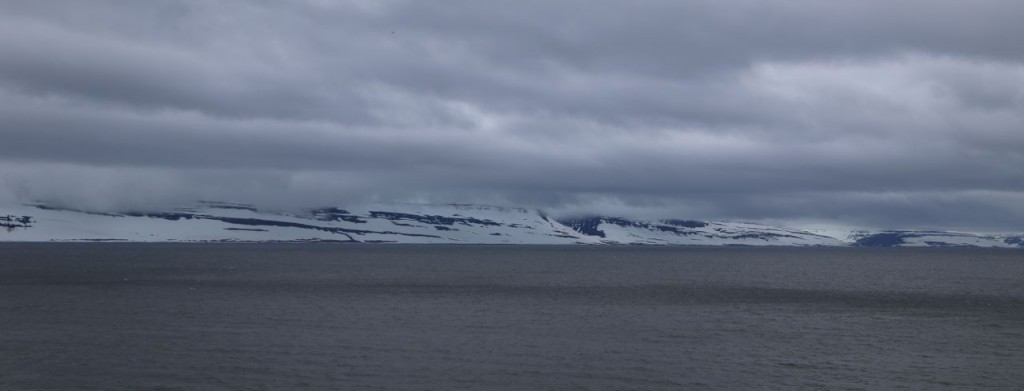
(104, 316)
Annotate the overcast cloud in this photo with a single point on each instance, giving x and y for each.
(871, 113)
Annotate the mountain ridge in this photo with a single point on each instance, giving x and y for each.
(215, 221)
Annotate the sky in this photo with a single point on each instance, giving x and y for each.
(867, 113)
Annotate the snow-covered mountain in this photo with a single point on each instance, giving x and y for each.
(933, 239)
(418, 223)
(218, 221)
(691, 232)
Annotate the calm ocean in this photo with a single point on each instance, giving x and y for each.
(362, 317)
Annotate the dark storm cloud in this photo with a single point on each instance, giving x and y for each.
(869, 112)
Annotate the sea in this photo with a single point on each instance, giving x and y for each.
(329, 316)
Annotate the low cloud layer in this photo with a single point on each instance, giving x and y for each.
(869, 113)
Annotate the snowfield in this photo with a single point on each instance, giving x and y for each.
(418, 223)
